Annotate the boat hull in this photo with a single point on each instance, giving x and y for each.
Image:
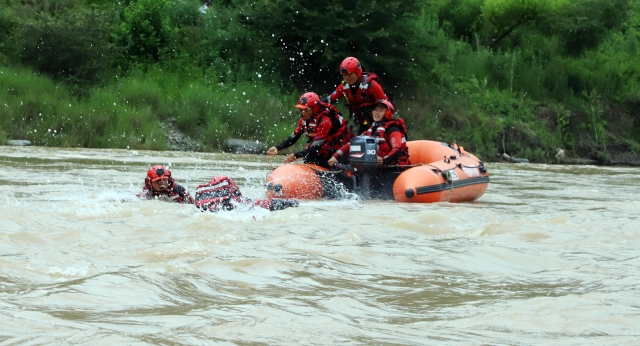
(459, 180)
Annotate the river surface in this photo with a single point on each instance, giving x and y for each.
(549, 255)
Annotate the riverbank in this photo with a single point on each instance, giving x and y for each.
(155, 110)
(96, 74)
(178, 141)
(615, 158)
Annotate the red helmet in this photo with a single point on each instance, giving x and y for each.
(350, 65)
(389, 106)
(158, 172)
(309, 99)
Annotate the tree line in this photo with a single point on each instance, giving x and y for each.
(514, 76)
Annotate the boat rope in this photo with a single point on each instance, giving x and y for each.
(330, 172)
(479, 166)
(446, 174)
(388, 166)
(403, 166)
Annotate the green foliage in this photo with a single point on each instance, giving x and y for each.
(146, 31)
(583, 24)
(126, 114)
(634, 147)
(577, 25)
(229, 54)
(461, 18)
(47, 114)
(596, 124)
(7, 23)
(65, 42)
(503, 16)
(184, 13)
(493, 75)
(209, 113)
(3, 137)
(563, 120)
(306, 42)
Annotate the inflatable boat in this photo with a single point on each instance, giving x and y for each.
(440, 172)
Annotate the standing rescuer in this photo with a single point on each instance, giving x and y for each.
(390, 134)
(360, 90)
(324, 127)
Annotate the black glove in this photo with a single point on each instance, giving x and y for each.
(367, 116)
(280, 203)
(343, 167)
(367, 111)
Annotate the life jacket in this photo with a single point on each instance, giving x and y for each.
(379, 132)
(361, 97)
(340, 133)
(399, 122)
(175, 192)
(220, 193)
(361, 102)
(308, 128)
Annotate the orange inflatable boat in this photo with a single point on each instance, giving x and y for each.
(440, 172)
(304, 181)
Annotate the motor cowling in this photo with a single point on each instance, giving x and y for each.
(363, 154)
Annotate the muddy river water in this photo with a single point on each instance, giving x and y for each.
(549, 255)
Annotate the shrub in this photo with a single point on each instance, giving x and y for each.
(65, 42)
(146, 30)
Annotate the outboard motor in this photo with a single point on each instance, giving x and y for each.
(364, 160)
(363, 154)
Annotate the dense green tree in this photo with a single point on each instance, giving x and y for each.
(6, 27)
(584, 24)
(146, 30)
(578, 25)
(460, 18)
(63, 40)
(184, 13)
(307, 41)
(504, 16)
(520, 76)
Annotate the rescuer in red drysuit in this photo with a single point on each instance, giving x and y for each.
(324, 126)
(218, 194)
(390, 134)
(159, 183)
(360, 90)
